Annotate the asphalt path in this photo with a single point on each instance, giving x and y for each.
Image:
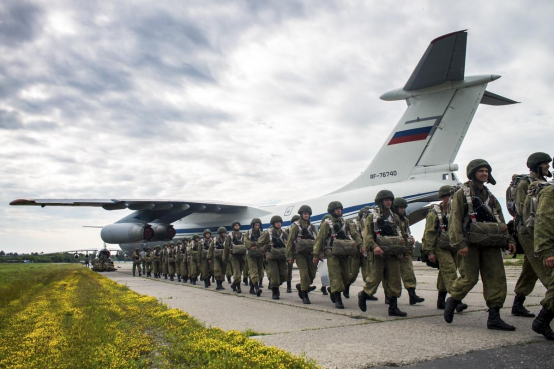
(351, 338)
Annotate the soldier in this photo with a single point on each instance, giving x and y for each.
(148, 262)
(274, 241)
(143, 259)
(254, 255)
(164, 260)
(235, 251)
(533, 268)
(406, 265)
(205, 264)
(171, 254)
(544, 242)
(87, 260)
(362, 260)
(228, 270)
(156, 261)
(215, 256)
(194, 258)
(300, 246)
(384, 238)
(136, 261)
(183, 263)
(438, 249)
(290, 265)
(178, 245)
(336, 240)
(475, 214)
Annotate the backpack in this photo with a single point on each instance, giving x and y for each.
(511, 193)
(531, 202)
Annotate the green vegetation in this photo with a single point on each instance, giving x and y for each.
(66, 316)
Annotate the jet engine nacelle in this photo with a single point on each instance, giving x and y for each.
(163, 231)
(126, 233)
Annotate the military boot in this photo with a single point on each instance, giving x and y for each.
(289, 287)
(261, 284)
(228, 279)
(299, 290)
(338, 301)
(414, 298)
(441, 300)
(387, 301)
(140, 276)
(252, 291)
(221, 287)
(541, 324)
(165, 276)
(346, 292)
(495, 322)
(178, 278)
(170, 278)
(258, 290)
(213, 279)
(371, 298)
(518, 309)
(194, 281)
(239, 290)
(393, 308)
(206, 283)
(233, 287)
(362, 298)
(245, 281)
(312, 288)
(331, 295)
(324, 290)
(461, 307)
(275, 294)
(133, 273)
(305, 298)
(449, 308)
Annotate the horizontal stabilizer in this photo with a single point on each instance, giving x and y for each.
(493, 99)
(444, 60)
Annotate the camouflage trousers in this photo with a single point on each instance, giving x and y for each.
(386, 270)
(171, 267)
(307, 270)
(255, 268)
(219, 268)
(238, 263)
(148, 267)
(135, 266)
(156, 267)
(448, 265)
(245, 270)
(407, 273)
(548, 301)
(339, 271)
(356, 264)
(228, 269)
(184, 267)
(193, 269)
(289, 272)
(488, 262)
(532, 269)
(277, 272)
(163, 264)
(205, 269)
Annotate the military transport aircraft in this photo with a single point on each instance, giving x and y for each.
(415, 160)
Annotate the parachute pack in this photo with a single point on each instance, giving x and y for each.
(511, 193)
(531, 203)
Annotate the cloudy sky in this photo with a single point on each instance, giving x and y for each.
(240, 101)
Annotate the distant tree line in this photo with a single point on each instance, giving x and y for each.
(14, 257)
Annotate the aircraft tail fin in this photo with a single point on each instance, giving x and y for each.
(441, 105)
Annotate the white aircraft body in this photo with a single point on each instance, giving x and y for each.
(416, 159)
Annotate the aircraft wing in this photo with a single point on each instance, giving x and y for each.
(134, 204)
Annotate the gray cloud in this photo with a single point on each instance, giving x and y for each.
(20, 22)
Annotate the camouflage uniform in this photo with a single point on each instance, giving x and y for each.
(205, 261)
(156, 261)
(136, 261)
(216, 255)
(544, 248)
(235, 239)
(164, 260)
(487, 261)
(171, 254)
(183, 263)
(275, 238)
(337, 265)
(360, 262)
(384, 268)
(302, 230)
(148, 262)
(193, 252)
(254, 256)
(533, 268)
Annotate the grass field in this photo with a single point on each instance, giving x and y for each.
(66, 316)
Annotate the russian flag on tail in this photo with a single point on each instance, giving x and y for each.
(407, 136)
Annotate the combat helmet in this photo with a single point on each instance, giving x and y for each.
(305, 208)
(255, 220)
(536, 159)
(234, 223)
(326, 217)
(294, 219)
(195, 236)
(445, 190)
(382, 195)
(275, 219)
(179, 242)
(476, 164)
(400, 202)
(171, 243)
(158, 247)
(207, 231)
(221, 230)
(334, 205)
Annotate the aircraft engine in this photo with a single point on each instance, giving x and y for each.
(163, 231)
(126, 233)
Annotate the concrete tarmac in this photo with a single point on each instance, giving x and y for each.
(351, 338)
